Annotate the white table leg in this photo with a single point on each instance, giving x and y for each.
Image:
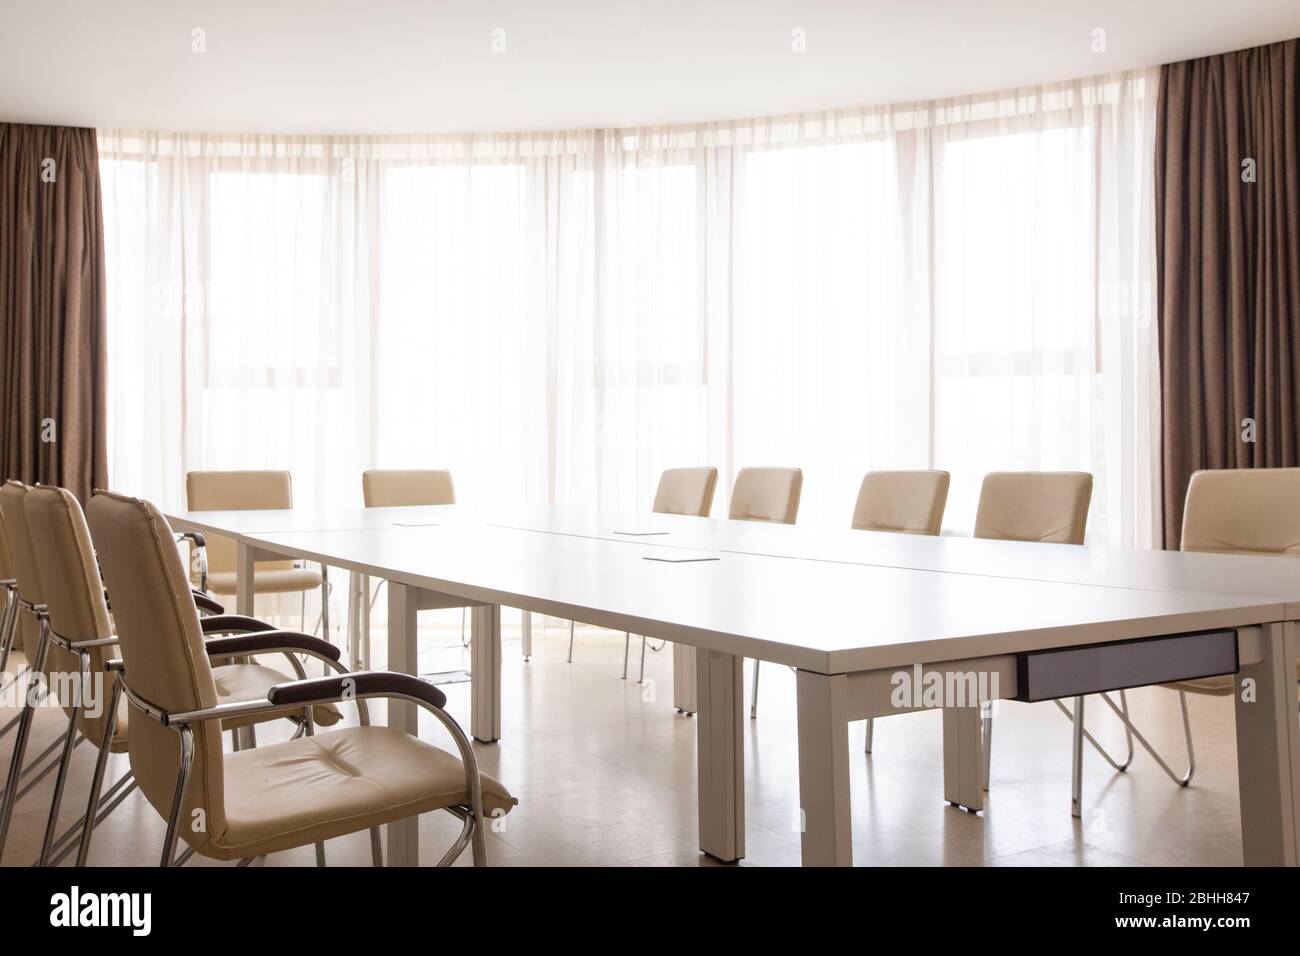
(355, 601)
(403, 835)
(1268, 750)
(485, 673)
(685, 696)
(963, 758)
(527, 634)
(365, 621)
(245, 573)
(720, 753)
(824, 769)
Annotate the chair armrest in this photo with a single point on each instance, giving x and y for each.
(319, 690)
(268, 642)
(195, 536)
(205, 603)
(233, 624)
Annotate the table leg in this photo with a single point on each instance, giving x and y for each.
(527, 634)
(364, 588)
(963, 758)
(720, 752)
(354, 622)
(685, 696)
(403, 835)
(485, 673)
(245, 573)
(1268, 749)
(824, 769)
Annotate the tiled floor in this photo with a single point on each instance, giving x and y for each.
(605, 773)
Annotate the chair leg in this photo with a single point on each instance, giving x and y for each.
(302, 611)
(753, 694)
(871, 732)
(97, 780)
(61, 779)
(110, 801)
(464, 641)
(178, 801)
(376, 847)
(640, 677)
(1120, 766)
(478, 843)
(320, 854)
(1076, 773)
(1122, 711)
(325, 606)
(627, 641)
(8, 627)
(986, 740)
(571, 625)
(20, 741)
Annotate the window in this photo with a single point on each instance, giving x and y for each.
(264, 317)
(1014, 338)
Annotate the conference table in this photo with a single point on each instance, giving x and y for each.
(862, 617)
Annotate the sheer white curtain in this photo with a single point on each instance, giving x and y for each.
(558, 316)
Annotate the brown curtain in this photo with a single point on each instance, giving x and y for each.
(1228, 265)
(53, 353)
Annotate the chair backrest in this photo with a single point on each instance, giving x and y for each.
(161, 645)
(6, 554)
(1243, 511)
(910, 502)
(26, 571)
(686, 491)
(393, 488)
(1047, 506)
(74, 595)
(766, 494)
(237, 491)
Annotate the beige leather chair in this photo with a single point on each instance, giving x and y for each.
(75, 638)
(903, 502)
(281, 796)
(252, 491)
(396, 488)
(393, 488)
(686, 491)
(765, 494)
(1046, 506)
(681, 491)
(28, 626)
(9, 614)
(1252, 511)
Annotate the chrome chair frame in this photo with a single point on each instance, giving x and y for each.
(87, 825)
(472, 816)
(1130, 732)
(227, 624)
(14, 606)
(11, 793)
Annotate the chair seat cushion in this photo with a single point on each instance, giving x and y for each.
(315, 788)
(251, 682)
(275, 581)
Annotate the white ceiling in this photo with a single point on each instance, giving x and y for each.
(412, 66)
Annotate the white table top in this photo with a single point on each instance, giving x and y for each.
(827, 601)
